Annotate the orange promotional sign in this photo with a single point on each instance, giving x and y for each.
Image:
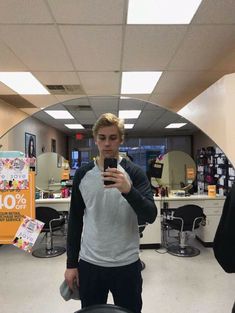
(190, 173)
(14, 205)
(212, 190)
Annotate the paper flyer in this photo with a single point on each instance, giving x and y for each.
(27, 233)
(14, 173)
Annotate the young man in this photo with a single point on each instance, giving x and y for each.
(103, 228)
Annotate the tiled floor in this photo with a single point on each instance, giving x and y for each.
(171, 284)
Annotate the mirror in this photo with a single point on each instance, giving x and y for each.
(51, 169)
(178, 170)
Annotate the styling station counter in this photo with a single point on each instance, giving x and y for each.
(152, 237)
(60, 204)
(212, 208)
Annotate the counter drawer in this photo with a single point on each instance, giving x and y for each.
(214, 203)
(213, 211)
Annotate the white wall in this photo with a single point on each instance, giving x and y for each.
(213, 111)
(9, 117)
(15, 138)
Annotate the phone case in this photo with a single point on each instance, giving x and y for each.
(109, 162)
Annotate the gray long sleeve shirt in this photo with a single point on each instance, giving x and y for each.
(103, 223)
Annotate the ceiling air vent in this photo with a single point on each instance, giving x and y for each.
(65, 89)
(84, 108)
(78, 107)
(87, 126)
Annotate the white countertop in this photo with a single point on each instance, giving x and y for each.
(191, 197)
(53, 200)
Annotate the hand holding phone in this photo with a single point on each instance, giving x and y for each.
(111, 163)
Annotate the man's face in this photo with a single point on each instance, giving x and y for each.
(108, 141)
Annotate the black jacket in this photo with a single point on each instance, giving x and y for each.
(224, 241)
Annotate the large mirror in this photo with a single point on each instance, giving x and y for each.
(51, 169)
(175, 170)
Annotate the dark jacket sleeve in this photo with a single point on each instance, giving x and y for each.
(224, 241)
(75, 224)
(140, 196)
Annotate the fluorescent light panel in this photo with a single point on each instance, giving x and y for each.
(60, 114)
(24, 83)
(128, 126)
(74, 126)
(161, 11)
(125, 114)
(175, 125)
(139, 82)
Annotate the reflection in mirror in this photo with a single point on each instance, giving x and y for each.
(178, 170)
(51, 169)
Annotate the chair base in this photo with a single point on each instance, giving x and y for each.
(187, 251)
(48, 253)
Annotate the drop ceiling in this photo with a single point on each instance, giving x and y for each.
(87, 44)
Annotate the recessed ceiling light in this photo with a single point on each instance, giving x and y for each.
(74, 126)
(161, 11)
(23, 83)
(175, 125)
(139, 82)
(128, 126)
(60, 114)
(129, 114)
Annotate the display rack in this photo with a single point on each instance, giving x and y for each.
(213, 168)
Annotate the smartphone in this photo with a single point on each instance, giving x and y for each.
(109, 162)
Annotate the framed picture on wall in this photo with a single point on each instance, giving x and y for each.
(30, 145)
(53, 145)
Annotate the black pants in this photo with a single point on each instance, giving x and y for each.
(124, 282)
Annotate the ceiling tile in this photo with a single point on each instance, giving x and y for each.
(85, 117)
(88, 12)
(215, 40)
(57, 78)
(177, 82)
(131, 104)
(215, 12)
(102, 105)
(8, 60)
(100, 83)
(24, 12)
(41, 101)
(73, 104)
(64, 98)
(38, 47)
(94, 48)
(150, 47)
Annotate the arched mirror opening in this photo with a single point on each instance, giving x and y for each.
(148, 139)
(175, 171)
(51, 171)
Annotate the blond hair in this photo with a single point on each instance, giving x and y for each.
(109, 119)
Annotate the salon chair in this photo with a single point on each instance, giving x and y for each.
(185, 220)
(103, 308)
(53, 222)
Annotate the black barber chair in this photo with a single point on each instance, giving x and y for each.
(184, 219)
(103, 308)
(53, 222)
